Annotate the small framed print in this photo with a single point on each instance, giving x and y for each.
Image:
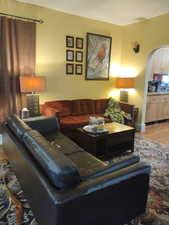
(69, 55)
(69, 42)
(79, 69)
(69, 68)
(79, 43)
(79, 56)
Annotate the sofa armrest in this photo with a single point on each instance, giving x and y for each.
(134, 115)
(115, 166)
(126, 107)
(129, 108)
(110, 179)
(49, 111)
(117, 197)
(45, 125)
(122, 174)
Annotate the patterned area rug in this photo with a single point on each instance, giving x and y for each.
(158, 202)
(157, 155)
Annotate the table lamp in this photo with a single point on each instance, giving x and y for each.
(32, 85)
(124, 83)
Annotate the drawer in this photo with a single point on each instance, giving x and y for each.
(166, 98)
(154, 99)
(158, 98)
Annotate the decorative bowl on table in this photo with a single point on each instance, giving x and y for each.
(95, 129)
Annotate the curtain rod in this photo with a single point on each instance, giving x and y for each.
(20, 17)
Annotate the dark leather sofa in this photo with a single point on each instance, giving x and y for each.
(66, 185)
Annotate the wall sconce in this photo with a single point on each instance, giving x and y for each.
(136, 47)
(124, 83)
(33, 85)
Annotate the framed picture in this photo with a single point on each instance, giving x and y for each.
(69, 42)
(79, 43)
(98, 57)
(79, 69)
(69, 55)
(79, 56)
(69, 68)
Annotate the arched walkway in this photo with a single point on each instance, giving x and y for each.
(158, 62)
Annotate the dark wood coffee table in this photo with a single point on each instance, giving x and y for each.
(118, 139)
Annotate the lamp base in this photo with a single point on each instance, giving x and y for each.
(123, 96)
(33, 104)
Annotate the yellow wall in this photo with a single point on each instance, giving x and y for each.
(51, 55)
(51, 50)
(151, 34)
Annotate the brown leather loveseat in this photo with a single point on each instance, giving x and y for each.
(75, 113)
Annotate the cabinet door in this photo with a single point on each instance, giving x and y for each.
(166, 107)
(154, 112)
(157, 108)
(151, 112)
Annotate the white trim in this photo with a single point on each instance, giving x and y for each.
(0, 139)
(140, 127)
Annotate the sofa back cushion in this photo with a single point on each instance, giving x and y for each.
(44, 125)
(63, 106)
(17, 126)
(60, 170)
(82, 106)
(101, 105)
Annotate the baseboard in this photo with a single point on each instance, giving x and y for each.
(140, 127)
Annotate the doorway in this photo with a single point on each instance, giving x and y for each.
(156, 92)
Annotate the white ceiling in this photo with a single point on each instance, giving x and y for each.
(120, 12)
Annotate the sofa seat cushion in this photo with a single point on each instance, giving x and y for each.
(82, 106)
(74, 121)
(86, 163)
(63, 106)
(60, 170)
(64, 144)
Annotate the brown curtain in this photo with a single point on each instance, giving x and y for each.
(17, 58)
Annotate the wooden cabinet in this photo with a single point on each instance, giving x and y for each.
(157, 107)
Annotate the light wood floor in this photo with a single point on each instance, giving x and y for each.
(158, 132)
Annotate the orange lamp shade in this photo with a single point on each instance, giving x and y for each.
(32, 84)
(125, 82)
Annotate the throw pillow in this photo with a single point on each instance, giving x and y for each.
(115, 113)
